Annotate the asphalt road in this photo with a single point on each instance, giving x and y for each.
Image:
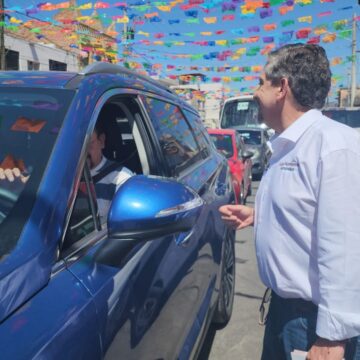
(241, 339)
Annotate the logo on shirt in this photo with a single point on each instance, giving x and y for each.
(289, 166)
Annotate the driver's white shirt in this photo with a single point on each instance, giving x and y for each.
(307, 225)
(107, 186)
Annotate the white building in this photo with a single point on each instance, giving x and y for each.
(24, 55)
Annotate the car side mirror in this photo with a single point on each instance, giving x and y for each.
(247, 154)
(148, 207)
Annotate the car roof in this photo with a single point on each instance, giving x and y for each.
(222, 131)
(116, 75)
(45, 79)
(240, 97)
(71, 80)
(249, 128)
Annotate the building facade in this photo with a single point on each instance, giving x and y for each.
(68, 44)
(23, 55)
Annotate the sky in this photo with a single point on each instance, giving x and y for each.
(226, 40)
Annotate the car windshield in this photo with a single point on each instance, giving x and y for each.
(223, 143)
(240, 113)
(30, 120)
(251, 137)
(348, 117)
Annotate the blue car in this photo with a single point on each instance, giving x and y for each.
(146, 282)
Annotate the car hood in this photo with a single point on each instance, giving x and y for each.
(253, 147)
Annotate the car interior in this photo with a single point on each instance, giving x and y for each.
(123, 142)
(124, 145)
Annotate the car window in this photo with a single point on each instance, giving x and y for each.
(200, 132)
(251, 137)
(240, 113)
(239, 143)
(30, 121)
(84, 216)
(176, 138)
(224, 144)
(117, 121)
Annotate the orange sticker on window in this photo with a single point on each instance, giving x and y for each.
(24, 124)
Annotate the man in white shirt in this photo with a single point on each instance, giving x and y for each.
(307, 212)
(111, 175)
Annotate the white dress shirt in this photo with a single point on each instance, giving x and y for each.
(107, 186)
(307, 221)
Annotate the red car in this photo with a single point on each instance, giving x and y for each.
(232, 146)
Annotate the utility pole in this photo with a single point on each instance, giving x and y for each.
(2, 35)
(125, 35)
(353, 66)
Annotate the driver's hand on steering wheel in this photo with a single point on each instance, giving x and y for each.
(12, 175)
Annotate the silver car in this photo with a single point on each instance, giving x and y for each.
(256, 140)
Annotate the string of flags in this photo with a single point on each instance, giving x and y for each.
(236, 42)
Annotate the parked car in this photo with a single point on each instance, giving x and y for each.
(347, 115)
(232, 146)
(256, 140)
(146, 283)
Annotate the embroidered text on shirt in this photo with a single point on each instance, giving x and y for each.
(289, 166)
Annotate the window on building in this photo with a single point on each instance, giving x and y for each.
(33, 65)
(57, 65)
(11, 60)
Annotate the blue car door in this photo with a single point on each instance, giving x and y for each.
(189, 157)
(152, 298)
(58, 322)
(148, 298)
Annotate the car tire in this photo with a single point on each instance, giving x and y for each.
(225, 302)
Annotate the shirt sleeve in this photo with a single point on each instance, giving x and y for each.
(337, 245)
(122, 176)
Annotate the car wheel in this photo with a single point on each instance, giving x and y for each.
(225, 303)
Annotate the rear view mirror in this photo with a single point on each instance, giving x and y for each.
(247, 154)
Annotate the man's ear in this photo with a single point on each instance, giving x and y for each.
(283, 87)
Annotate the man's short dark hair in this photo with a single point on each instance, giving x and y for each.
(307, 69)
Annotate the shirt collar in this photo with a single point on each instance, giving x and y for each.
(299, 126)
(98, 167)
(296, 129)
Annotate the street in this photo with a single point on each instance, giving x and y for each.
(241, 339)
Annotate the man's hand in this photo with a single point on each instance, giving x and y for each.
(324, 349)
(237, 216)
(12, 175)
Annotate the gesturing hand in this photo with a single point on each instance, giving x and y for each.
(237, 216)
(326, 350)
